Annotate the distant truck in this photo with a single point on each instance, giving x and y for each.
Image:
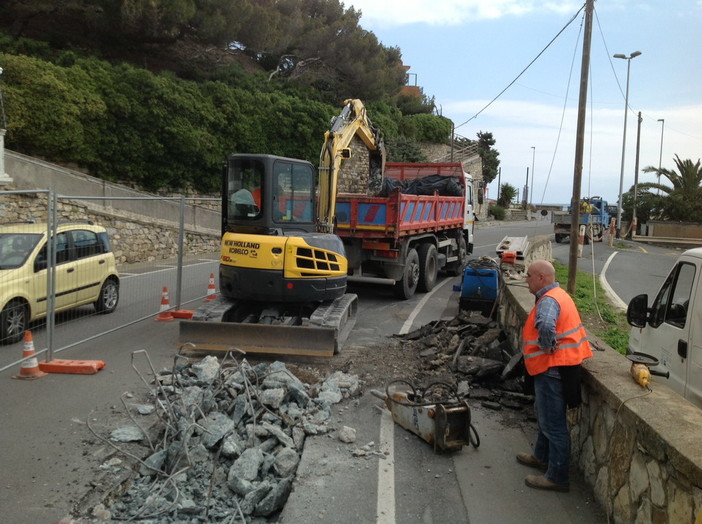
(670, 330)
(405, 239)
(594, 211)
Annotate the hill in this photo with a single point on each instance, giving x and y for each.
(157, 94)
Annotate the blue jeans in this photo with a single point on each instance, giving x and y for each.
(553, 440)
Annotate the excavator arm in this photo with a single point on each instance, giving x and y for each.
(352, 121)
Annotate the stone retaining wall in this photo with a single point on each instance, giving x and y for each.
(639, 451)
(133, 238)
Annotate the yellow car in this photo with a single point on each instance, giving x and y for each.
(85, 271)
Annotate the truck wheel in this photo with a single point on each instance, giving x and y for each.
(456, 268)
(597, 233)
(428, 266)
(559, 238)
(407, 285)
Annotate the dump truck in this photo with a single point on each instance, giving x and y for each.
(594, 213)
(420, 225)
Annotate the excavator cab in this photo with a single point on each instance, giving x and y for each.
(269, 195)
(271, 251)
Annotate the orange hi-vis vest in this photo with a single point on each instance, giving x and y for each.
(572, 346)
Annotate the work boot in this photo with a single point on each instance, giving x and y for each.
(530, 460)
(541, 482)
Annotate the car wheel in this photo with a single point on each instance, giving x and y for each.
(407, 285)
(109, 297)
(13, 322)
(428, 266)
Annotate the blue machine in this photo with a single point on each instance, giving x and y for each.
(479, 289)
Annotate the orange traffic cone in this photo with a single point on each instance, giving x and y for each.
(164, 314)
(211, 290)
(29, 369)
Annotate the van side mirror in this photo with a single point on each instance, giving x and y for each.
(637, 312)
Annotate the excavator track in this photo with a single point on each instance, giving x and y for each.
(321, 335)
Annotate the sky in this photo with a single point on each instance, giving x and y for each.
(464, 53)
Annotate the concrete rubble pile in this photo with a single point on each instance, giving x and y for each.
(471, 353)
(230, 440)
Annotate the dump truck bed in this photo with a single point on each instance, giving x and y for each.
(400, 214)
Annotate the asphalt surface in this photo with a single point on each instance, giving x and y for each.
(50, 456)
(403, 480)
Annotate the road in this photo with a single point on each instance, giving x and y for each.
(50, 455)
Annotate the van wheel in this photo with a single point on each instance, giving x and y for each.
(428, 266)
(14, 320)
(108, 298)
(407, 285)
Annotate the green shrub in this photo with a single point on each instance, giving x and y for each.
(497, 211)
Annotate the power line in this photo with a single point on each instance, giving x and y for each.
(523, 70)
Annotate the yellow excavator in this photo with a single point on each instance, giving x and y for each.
(282, 273)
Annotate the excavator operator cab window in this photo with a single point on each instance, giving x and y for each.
(244, 182)
(293, 193)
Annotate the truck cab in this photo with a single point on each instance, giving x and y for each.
(670, 330)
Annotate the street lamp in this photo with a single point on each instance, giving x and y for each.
(626, 110)
(4, 178)
(660, 157)
(531, 191)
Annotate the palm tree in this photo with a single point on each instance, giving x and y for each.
(507, 194)
(684, 200)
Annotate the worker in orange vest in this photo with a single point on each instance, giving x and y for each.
(554, 344)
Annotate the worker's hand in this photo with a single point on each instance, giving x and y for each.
(573, 416)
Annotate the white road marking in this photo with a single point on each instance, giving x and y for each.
(618, 302)
(167, 268)
(408, 323)
(385, 506)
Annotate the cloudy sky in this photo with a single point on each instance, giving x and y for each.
(465, 52)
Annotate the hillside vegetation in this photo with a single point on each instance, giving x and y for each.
(156, 94)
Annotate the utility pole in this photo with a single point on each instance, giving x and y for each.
(525, 198)
(499, 187)
(579, 148)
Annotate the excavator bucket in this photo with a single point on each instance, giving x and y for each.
(323, 336)
(257, 338)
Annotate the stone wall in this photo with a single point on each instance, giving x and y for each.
(354, 174)
(659, 228)
(30, 173)
(639, 451)
(133, 238)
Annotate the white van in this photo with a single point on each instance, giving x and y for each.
(671, 328)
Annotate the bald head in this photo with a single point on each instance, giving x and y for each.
(540, 273)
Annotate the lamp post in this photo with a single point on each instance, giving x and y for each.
(531, 191)
(660, 156)
(4, 177)
(626, 110)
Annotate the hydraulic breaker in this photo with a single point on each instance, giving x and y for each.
(444, 422)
